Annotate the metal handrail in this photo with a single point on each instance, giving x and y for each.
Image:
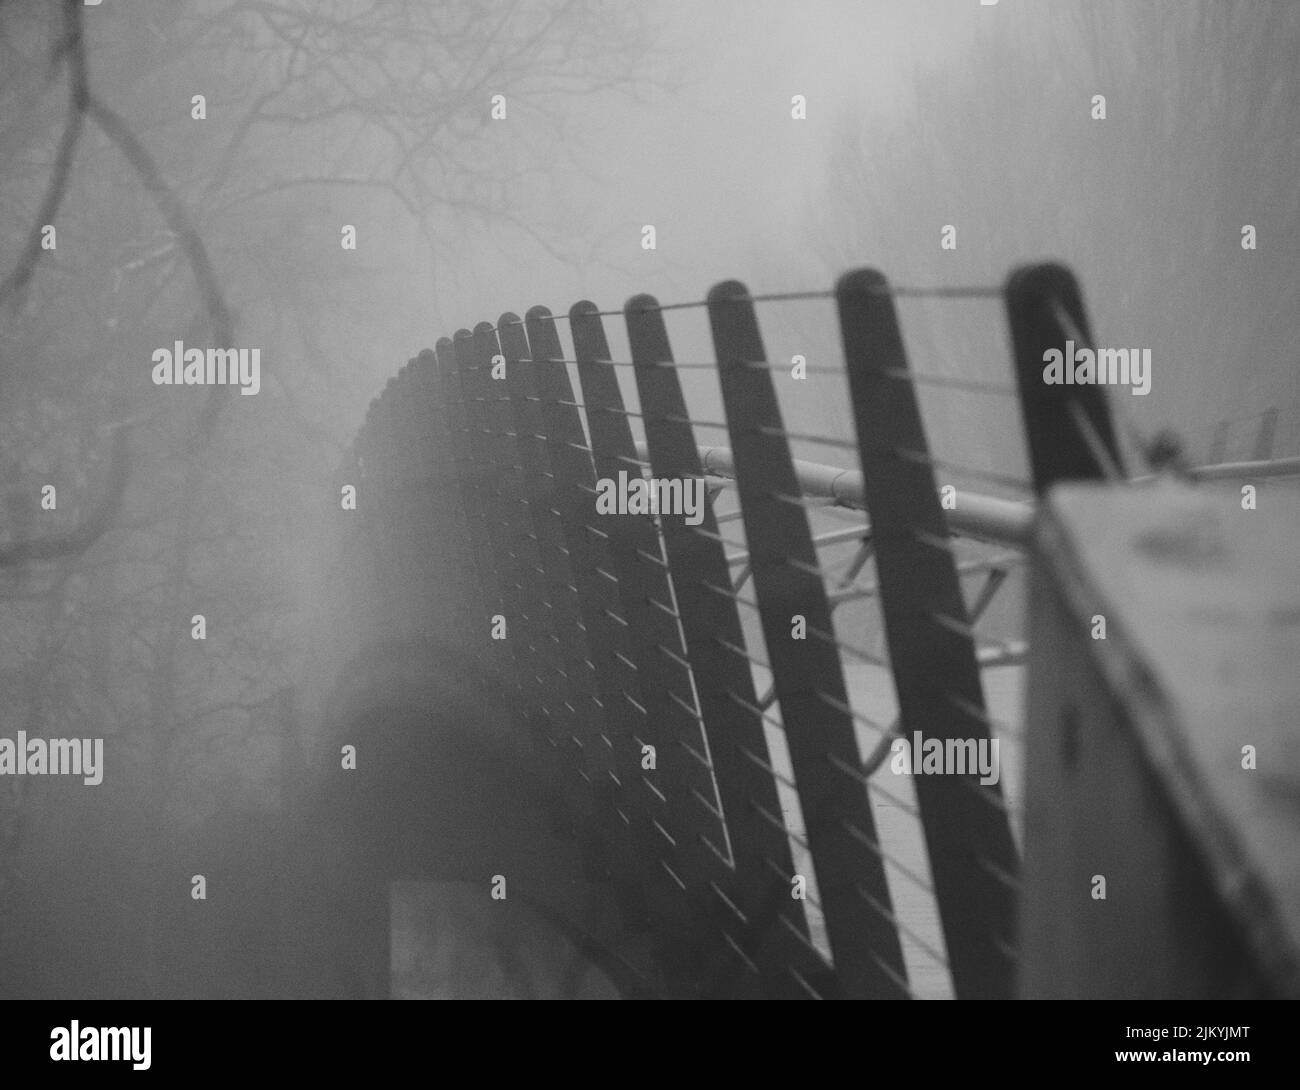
(989, 518)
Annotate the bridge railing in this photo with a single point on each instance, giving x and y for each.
(743, 748)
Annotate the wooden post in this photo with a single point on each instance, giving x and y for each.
(564, 650)
(762, 923)
(807, 675)
(636, 797)
(674, 807)
(1068, 426)
(515, 551)
(931, 650)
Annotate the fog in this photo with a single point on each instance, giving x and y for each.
(222, 221)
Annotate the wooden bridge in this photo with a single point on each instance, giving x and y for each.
(674, 743)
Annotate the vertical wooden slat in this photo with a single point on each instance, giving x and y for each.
(771, 932)
(518, 433)
(807, 675)
(515, 551)
(633, 713)
(675, 801)
(1045, 310)
(968, 837)
(502, 658)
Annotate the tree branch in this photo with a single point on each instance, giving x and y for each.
(78, 540)
(74, 49)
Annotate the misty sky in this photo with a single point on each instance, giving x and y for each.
(966, 115)
(710, 156)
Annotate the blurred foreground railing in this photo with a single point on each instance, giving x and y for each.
(732, 723)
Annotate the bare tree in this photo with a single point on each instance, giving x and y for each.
(181, 229)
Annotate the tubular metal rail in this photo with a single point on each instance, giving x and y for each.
(722, 717)
(985, 518)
